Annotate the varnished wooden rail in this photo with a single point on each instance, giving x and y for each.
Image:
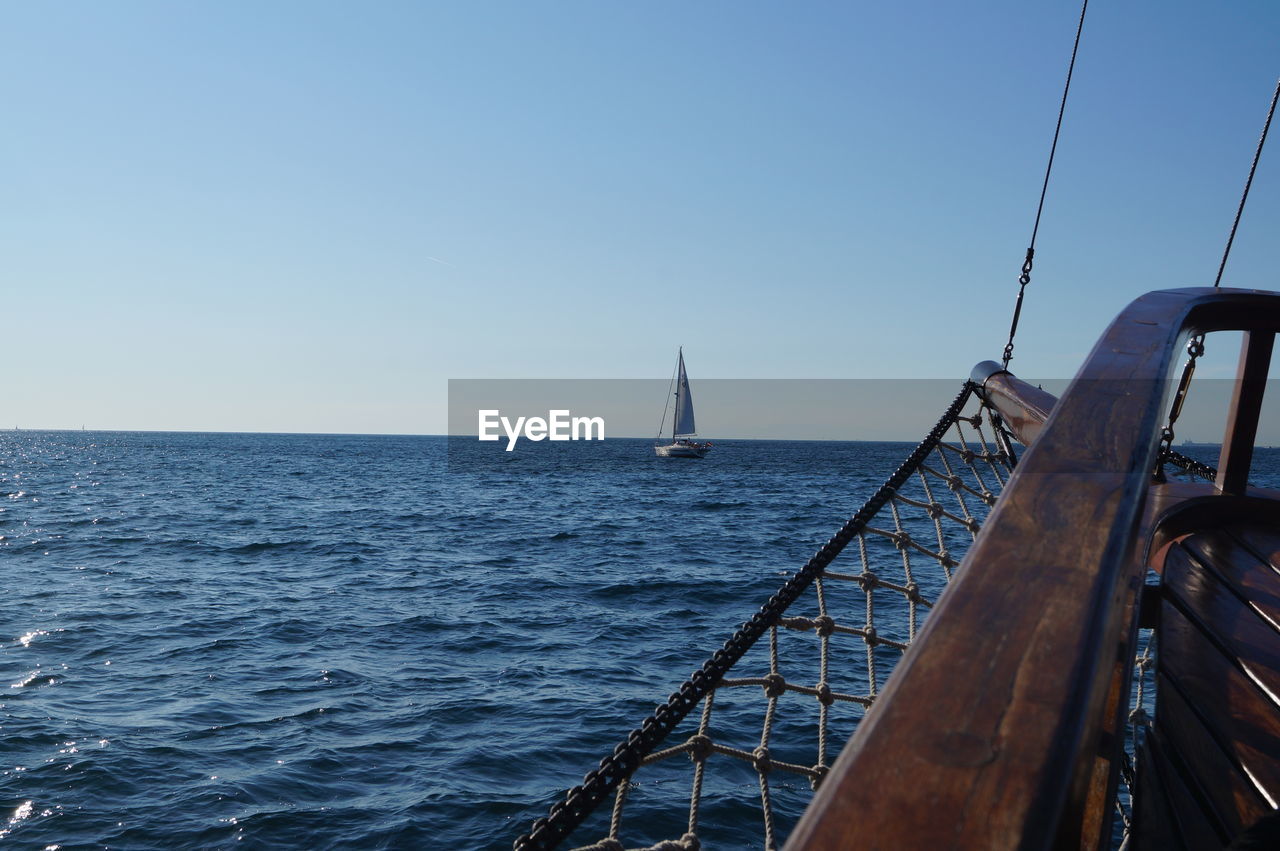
(1001, 726)
(1023, 408)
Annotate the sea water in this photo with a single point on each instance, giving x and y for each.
(300, 641)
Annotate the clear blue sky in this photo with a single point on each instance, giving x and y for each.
(306, 216)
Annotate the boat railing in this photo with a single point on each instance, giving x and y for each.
(1003, 724)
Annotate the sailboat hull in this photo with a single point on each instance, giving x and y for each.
(680, 450)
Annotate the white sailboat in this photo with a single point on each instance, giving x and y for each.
(683, 429)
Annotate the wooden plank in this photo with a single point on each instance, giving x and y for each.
(1241, 634)
(1192, 823)
(1239, 566)
(1154, 828)
(1230, 798)
(1177, 509)
(1100, 793)
(1242, 416)
(1264, 540)
(1236, 712)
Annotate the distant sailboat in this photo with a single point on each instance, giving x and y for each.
(682, 425)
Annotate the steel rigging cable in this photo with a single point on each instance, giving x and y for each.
(1025, 277)
(1262, 140)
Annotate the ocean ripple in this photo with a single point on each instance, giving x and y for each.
(291, 641)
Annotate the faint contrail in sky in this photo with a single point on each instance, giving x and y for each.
(441, 262)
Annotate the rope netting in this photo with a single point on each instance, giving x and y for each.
(775, 713)
(1141, 711)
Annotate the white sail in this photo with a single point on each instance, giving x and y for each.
(684, 405)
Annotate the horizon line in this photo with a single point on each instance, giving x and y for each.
(421, 434)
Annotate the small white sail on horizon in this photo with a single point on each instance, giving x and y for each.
(682, 424)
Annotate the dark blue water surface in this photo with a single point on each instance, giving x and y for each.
(296, 641)
(302, 641)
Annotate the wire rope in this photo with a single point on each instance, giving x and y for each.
(1025, 277)
(1262, 140)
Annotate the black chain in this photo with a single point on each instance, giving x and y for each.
(1188, 465)
(581, 801)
